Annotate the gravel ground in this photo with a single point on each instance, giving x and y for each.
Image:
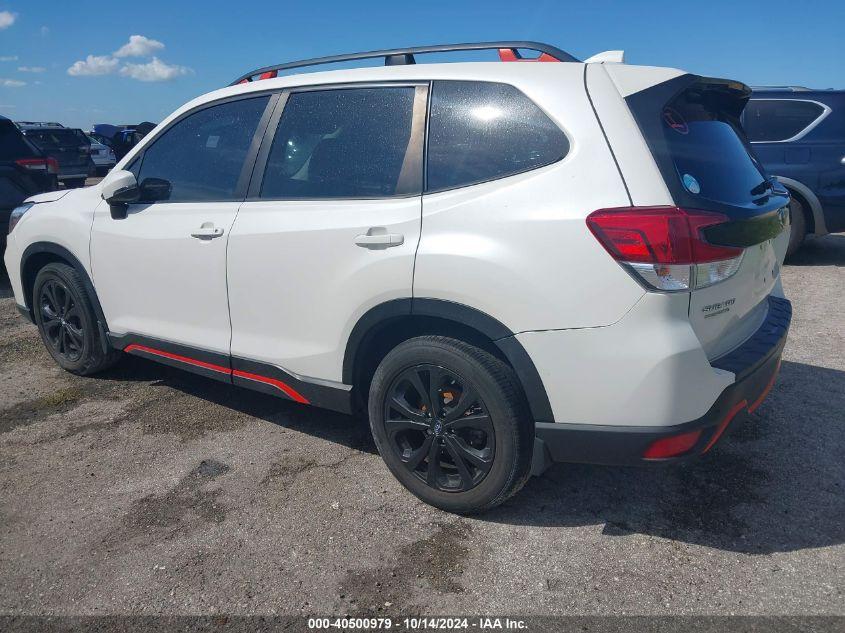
(147, 490)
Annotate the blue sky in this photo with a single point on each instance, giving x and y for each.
(188, 48)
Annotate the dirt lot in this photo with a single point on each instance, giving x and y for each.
(147, 490)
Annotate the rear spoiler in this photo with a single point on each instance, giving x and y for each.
(607, 57)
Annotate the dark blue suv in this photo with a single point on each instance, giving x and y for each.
(799, 135)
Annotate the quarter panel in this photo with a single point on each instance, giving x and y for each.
(518, 248)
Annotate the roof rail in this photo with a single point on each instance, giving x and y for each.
(403, 56)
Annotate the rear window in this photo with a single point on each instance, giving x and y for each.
(481, 131)
(706, 145)
(12, 144)
(768, 120)
(57, 138)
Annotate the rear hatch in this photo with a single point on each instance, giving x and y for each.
(692, 127)
(68, 146)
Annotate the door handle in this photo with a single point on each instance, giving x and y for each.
(207, 232)
(371, 239)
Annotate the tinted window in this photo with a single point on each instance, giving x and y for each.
(12, 144)
(775, 120)
(710, 155)
(203, 154)
(348, 143)
(57, 138)
(480, 131)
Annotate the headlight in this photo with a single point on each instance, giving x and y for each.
(17, 214)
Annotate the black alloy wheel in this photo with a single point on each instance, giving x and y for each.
(439, 427)
(61, 318)
(63, 311)
(451, 423)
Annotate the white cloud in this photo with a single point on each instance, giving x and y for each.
(155, 70)
(8, 58)
(94, 65)
(31, 69)
(7, 19)
(45, 31)
(11, 83)
(139, 46)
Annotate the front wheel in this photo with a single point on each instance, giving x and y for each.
(67, 323)
(451, 423)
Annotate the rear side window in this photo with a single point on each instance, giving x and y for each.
(345, 143)
(481, 131)
(779, 119)
(202, 155)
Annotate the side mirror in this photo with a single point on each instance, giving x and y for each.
(120, 189)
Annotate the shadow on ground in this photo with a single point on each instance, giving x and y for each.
(824, 251)
(775, 483)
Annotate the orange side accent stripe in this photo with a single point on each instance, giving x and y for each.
(739, 406)
(289, 391)
(766, 391)
(182, 359)
(292, 393)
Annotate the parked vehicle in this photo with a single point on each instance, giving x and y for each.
(503, 264)
(122, 138)
(102, 155)
(799, 135)
(100, 138)
(69, 146)
(24, 171)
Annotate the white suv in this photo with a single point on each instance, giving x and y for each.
(505, 264)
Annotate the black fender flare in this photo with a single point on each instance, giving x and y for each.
(464, 315)
(37, 248)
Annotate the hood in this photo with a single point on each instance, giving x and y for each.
(49, 196)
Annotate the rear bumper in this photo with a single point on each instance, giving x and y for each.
(755, 364)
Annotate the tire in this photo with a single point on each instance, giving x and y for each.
(477, 429)
(67, 322)
(798, 227)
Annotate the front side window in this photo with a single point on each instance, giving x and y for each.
(345, 143)
(481, 131)
(202, 156)
(768, 120)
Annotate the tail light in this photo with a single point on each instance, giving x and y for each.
(49, 164)
(665, 247)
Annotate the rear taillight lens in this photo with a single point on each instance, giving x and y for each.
(50, 165)
(665, 246)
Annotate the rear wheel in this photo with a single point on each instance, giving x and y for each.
(67, 323)
(450, 422)
(798, 227)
